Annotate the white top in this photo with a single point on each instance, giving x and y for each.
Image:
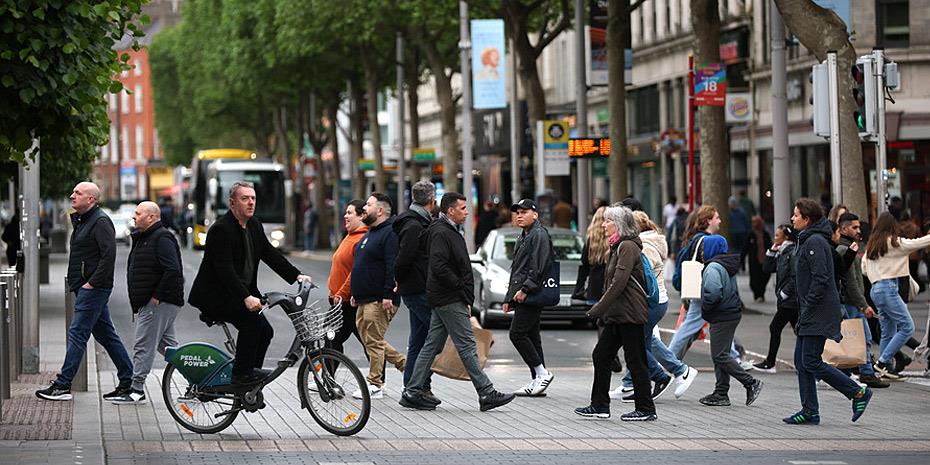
(669, 212)
(894, 263)
(656, 249)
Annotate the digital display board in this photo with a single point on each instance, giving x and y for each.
(588, 147)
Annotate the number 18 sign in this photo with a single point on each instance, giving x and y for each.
(710, 84)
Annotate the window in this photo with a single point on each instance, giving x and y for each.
(893, 23)
(140, 143)
(137, 67)
(124, 102)
(111, 99)
(138, 98)
(114, 144)
(645, 117)
(125, 141)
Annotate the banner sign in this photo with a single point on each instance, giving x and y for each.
(487, 62)
(596, 47)
(710, 84)
(588, 147)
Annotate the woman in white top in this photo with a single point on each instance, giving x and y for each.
(885, 261)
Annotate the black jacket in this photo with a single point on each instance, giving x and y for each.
(532, 256)
(412, 254)
(154, 268)
(592, 274)
(815, 276)
(373, 269)
(93, 250)
(720, 299)
(450, 277)
(779, 263)
(217, 288)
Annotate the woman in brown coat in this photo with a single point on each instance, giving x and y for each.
(622, 310)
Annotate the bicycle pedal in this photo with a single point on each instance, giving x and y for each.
(285, 363)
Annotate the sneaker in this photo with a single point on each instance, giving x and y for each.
(901, 361)
(527, 389)
(660, 387)
(541, 384)
(683, 382)
(428, 396)
(131, 396)
(752, 392)
(882, 370)
(55, 392)
(415, 401)
(629, 397)
(374, 392)
(873, 381)
(494, 399)
(637, 415)
(620, 392)
(715, 400)
(764, 367)
(120, 391)
(593, 412)
(803, 418)
(745, 364)
(860, 402)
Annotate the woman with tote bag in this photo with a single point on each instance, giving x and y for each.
(690, 260)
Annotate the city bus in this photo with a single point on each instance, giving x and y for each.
(214, 171)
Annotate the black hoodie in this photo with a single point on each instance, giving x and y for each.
(720, 299)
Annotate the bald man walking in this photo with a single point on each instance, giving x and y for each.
(155, 281)
(90, 277)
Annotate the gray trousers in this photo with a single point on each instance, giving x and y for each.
(453, 321)
(721, 341)
(154, 332)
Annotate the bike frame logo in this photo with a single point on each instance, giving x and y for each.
(189, 360)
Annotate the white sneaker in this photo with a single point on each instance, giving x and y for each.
(745, 364)
(542, 383)
(620, 392)
(374, 392)
(683, 382)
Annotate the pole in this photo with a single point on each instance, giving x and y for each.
(881, 154)
(583, 167)
(29, 222)
(516, 125)
(401, 161)
(467, 177)
(781, 185)
(540, 156)
(836, 181)
(691, 181)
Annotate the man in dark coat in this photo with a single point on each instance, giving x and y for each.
(819, 316)
(226, 285)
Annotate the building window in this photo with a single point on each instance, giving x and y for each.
(137, 67)
(644, 102)
(124, 102)
(125, 141)
(140, 143)
(893, 23)
(111, 99)
(114, 145)
(138, 98)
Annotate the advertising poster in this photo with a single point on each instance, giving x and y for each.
(487, 62)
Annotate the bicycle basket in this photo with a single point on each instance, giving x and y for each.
(313, 322)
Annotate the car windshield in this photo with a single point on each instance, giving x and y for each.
(567, 246)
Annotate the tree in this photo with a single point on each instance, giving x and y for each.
(821, 30)
(57, 65)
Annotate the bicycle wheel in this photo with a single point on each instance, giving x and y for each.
(196, 411)
(341, 414)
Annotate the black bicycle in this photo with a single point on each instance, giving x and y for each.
(197, 381)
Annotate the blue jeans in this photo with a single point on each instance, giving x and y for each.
(658, 356)
(690, 326)
(896, 323)
(92, 316)
(420, 313)
(309, 241)
(808, 361)
(851, 312)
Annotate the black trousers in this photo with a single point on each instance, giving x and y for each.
(524, 334)
(631, 337)
(783, 316)
(721, 338)
(255, 335)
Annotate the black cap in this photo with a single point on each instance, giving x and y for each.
(525, 204)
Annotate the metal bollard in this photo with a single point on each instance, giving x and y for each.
(12, 358)
(18, 319)
(4, 342)
(79, 383)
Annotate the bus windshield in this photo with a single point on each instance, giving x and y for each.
(269, 193)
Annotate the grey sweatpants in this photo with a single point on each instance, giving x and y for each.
(154, 331)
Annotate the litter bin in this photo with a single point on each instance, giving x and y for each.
(59, 240)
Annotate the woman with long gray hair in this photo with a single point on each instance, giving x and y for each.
(623, 312)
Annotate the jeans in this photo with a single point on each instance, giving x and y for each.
(420, 314)
(808, 361)
(309, 241)
(92, 316)
(658, 356)
(688, 331)
(725, 366)
(851, 312)
(524, 334)
(896, 323)
(612, 338)
(154, 332)
(453, 320)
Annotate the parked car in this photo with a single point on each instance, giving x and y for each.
(491, 268)
(121, 224)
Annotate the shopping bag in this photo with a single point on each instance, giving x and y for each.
(548, 294)
(449, 364)
(692, 274)
(850, 351)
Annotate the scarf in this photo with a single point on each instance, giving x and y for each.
(614, 239)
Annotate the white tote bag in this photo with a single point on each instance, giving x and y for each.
(691, 274)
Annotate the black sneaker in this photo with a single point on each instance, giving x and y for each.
(873, 381)
(764, 367)
(118, 392)
(901, 361)
(883, 370)
(415, 401)
(494, 399)
(55, 392)
(715, 400)
(660, 387)
(752, 392)
(131, 396)
(802, 418)
(637, 415)
(593, 412)
(428, 396)
(860, 402)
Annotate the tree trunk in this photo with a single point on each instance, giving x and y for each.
(412, 76)
(332, 112)
(358, 135)
(371, 97)
(715, 159)
(618, 20)
(821, 30)
(318, 142)
(443, 83)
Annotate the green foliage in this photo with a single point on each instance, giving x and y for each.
(56, 66)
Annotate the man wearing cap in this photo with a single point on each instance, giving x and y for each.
(532, 257)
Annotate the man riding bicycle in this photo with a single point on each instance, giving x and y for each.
(225, 288)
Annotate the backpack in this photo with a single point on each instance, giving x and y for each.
(651, 289)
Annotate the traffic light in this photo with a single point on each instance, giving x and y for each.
(820, 99)
(865, 94)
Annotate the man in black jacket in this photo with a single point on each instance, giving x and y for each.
(410, 268)
(90, 278)
(155, 281)
(226, 288)
(450, 289)
(532, 257)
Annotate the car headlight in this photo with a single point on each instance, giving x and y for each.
(202, 238)
(277, 235)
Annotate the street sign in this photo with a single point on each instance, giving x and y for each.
(555, 145)
(365, 165)
(710, 84)
(424, 155)
(588, 147)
